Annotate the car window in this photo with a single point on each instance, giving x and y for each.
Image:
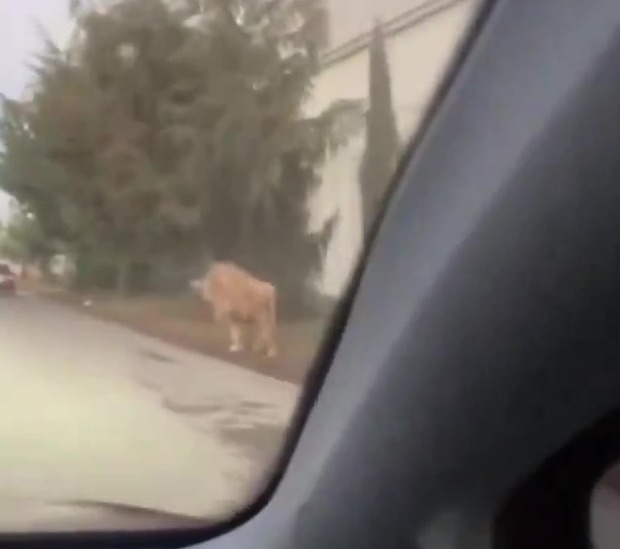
(186, 187)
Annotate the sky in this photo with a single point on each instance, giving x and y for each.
(20, 41)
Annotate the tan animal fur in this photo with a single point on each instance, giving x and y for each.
(241, 303)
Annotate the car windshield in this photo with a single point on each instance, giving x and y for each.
(185, 190)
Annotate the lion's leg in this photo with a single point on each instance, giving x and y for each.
(235, 335)
(236, 340)
(271, 349)
(265, 342)
(271, 328)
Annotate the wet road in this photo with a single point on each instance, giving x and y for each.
(91, 411)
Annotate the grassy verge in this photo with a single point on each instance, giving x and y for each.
(186, 322)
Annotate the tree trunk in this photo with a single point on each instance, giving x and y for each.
(123, 276)
(43, 264)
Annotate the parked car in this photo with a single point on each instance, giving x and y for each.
(7, 280)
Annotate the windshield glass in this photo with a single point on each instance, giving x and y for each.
(185, 188)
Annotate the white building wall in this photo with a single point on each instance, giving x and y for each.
(350, 18)
(418, 57)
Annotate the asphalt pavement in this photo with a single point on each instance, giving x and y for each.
(91, 411)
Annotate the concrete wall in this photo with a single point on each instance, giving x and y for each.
(418, 57)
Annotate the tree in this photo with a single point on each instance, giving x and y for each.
(178, 131)
(254, 158)
(382, 141)
(83, 149)
(23, 240)
(126, 54)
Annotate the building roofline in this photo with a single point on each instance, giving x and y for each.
(391, 27)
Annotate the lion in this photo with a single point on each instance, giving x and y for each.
(241, 303)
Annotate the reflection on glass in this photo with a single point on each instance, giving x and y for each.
(185, 186)
(605, 511)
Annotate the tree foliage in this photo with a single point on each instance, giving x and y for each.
(177, 130)
(22, 239)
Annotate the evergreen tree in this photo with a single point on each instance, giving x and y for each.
(382, 141)
(254, 157)
(178, 130)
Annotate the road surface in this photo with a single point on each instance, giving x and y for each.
(91, 411)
